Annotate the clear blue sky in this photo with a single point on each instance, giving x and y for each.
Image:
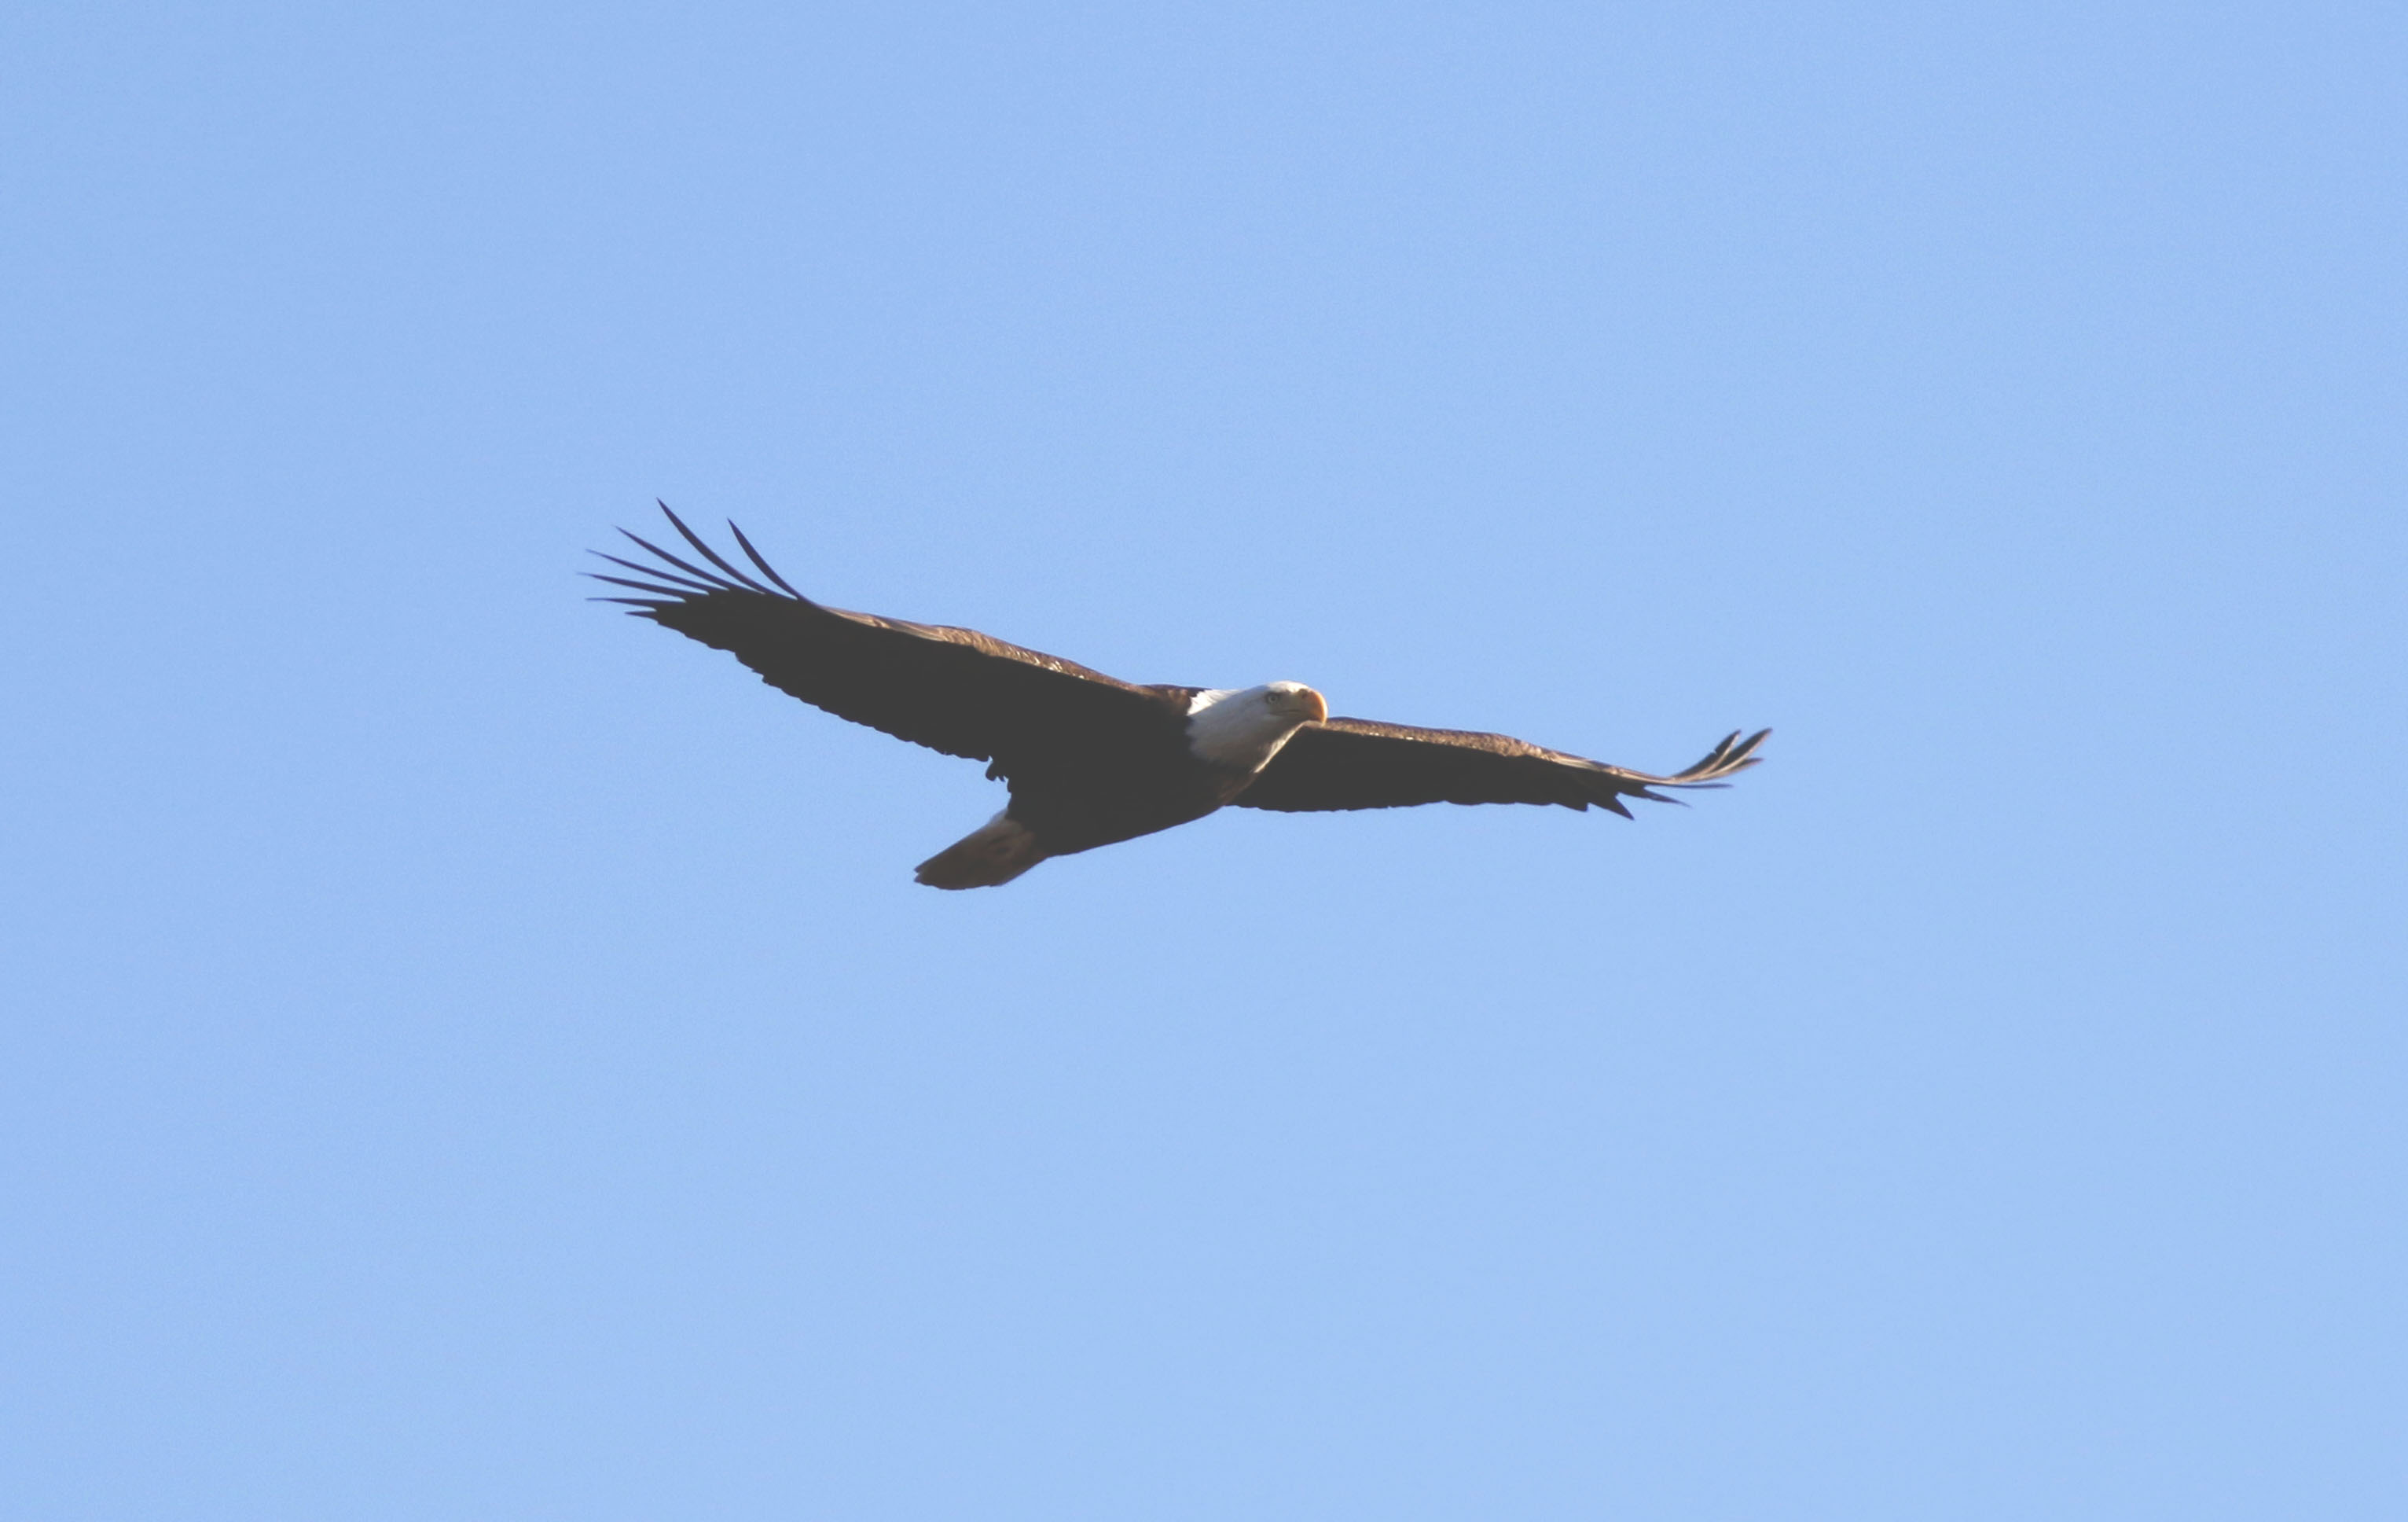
(470, 1056)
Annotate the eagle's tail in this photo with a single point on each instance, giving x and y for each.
(993, 855)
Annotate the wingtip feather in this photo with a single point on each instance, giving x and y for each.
(655, 572)
(706, 551)
(766, 569)
(717, 583)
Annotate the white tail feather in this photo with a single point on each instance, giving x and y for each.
(988, 857)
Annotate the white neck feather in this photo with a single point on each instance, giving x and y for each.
(1234, 727)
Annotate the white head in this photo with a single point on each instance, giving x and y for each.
(1243, 728)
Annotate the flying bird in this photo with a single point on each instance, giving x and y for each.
(1091, 759)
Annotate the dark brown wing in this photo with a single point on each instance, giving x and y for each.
(953, 690)
(1359, 764)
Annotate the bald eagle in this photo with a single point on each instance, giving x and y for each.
(1091, 759)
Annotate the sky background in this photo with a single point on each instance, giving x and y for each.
(470, 1056)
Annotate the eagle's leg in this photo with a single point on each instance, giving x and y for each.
(994, 854)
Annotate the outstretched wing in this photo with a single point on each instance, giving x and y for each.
(953, 690)
(1359, 764)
